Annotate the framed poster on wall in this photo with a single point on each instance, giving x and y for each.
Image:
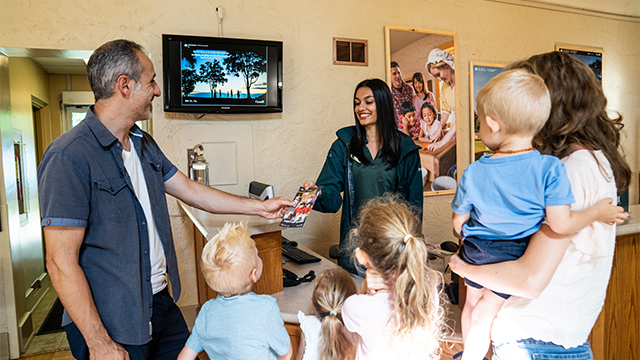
(411, 50)
(590, 56)
(479, 75)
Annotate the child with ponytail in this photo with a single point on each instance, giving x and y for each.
(406, 319)
(324, 335)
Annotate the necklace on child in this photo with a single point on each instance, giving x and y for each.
(513, 151)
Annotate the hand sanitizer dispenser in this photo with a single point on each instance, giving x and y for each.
(198, 166)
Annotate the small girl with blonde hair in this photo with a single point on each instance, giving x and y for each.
(324, 335)
(406, 319)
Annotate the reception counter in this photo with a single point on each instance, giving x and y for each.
(616, 334)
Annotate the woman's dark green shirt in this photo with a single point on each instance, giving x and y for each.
(369, 181)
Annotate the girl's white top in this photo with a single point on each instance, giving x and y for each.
(312, 330)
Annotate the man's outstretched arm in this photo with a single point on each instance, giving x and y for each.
(219, 202)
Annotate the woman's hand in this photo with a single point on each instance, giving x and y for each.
(457, 265)
(309, 184)
(434, 146)
(437, 135)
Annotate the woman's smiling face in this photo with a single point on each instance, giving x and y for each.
(364, 106)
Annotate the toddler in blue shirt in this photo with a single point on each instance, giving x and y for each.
(503, 199)
(237, 324)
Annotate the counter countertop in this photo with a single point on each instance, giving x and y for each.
(630, 226)
(209, 224)
(298, 298)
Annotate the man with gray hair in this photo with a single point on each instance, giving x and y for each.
(401, 93)
(110, 251)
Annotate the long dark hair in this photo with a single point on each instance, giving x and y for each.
(386, 125)
(419, 77)
(578, 112)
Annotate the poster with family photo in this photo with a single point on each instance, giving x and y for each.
(590, 56)
(302, 205)
(424, 62)
(480, 74)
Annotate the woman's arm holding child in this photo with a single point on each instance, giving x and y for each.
(459, 220)
(187, 354)
(524, 277)
(563, 220)
(286, 356)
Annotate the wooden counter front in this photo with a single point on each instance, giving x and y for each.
(616, 333)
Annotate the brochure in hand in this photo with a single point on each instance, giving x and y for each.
(302, 204)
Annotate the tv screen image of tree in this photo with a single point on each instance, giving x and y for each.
(231, 76)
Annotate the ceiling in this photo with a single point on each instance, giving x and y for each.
(402, 38)
(53, 61)
(72, 61)
(630, 8)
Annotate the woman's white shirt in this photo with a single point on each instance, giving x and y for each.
(568, 307)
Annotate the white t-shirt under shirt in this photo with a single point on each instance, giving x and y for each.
(158, 260)
(568, 307)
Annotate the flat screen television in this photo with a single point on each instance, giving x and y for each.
(221, 75)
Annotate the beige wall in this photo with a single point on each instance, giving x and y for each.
(289, 148)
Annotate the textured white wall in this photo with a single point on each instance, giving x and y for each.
(290, 147)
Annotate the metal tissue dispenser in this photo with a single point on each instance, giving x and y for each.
(198, 166)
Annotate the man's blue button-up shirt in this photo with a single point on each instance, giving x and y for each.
(83, 182)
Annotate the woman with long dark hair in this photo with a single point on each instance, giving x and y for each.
(562, 282)
(423, 95)
(368, 160)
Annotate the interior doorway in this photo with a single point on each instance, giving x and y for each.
(30, 118)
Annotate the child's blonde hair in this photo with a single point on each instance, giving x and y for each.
(391, 236)
(332, 288)
(228, 260)
(519, 99)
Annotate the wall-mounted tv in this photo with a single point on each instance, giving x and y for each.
(221, 75)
